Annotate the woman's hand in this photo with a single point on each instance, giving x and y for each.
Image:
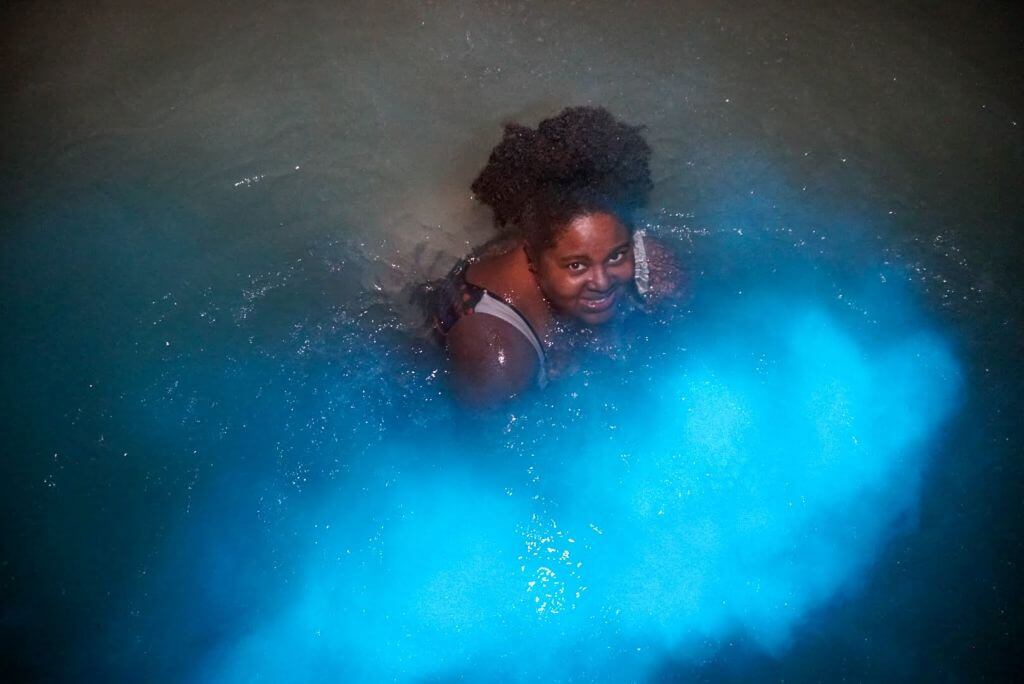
(667, 280)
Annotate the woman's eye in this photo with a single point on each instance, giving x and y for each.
(576, 266)
(616, 258)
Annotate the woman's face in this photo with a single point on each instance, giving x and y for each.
(586, 272)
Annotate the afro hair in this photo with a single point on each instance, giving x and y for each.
(581, 161)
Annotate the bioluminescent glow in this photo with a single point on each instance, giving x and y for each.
(729, 489)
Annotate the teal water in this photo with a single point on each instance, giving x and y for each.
(230, 455)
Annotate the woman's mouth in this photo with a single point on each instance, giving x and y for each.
(604, 302)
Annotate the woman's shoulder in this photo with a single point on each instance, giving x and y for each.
(491, 360)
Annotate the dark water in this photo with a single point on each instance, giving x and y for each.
(229, 456)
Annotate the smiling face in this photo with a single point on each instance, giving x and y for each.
(586, 272)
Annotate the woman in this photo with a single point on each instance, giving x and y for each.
(568, 259)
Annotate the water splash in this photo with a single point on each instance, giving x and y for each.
(729, 489)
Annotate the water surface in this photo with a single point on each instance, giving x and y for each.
(230, 453)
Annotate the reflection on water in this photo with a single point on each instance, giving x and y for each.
(232, 451)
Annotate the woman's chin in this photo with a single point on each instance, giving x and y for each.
(596, 317)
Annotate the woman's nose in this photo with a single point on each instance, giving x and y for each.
(599, 279)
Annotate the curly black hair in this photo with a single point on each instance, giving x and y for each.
(581, 161)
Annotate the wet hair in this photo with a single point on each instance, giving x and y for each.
(579, 162)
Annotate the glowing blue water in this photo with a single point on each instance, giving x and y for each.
(729, 488)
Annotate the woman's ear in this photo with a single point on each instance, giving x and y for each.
(531, 258)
